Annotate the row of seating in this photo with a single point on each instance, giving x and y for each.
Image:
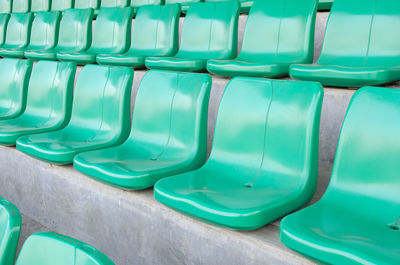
(45, 248)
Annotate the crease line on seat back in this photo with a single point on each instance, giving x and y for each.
(279, 30)
(370, 32)
(15, 77)
(53, 100)
(211, 28)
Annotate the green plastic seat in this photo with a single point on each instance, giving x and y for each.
(357, 221)
(163, 21)
(48, 105)
(357, 50)
(264, 160)
(277, 34)
(325, 4)
(5, 6)
(3, 27)
(245, 5)
(61, 5)
(44, 35)
(100, 117)
(17, 35)
(14, 78)
(10, 227)
(111, 35)
(139, 3)
(40, 5)
(185, 4)
(48, 248)
(168, 136)
(209, 32)
(21, 6)
(84, 4)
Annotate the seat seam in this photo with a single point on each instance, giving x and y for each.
(370, 32)
(279, 30)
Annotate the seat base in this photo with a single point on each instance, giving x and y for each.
(41, 55)
(137, 62)
(80, 58)
(12, 53)
(176, 64)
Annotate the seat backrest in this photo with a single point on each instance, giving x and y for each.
(14, 78)
(50, 92)
(102, 100)
(362, 33)
(49, 248)
(75, 30)
(269, 129)
(21, 6)
(114, 3)
(40, 5)
(155, 31)
(139, 3)
(170, 114)
(280, 31)
(184, 1)
(82, 4)
(5, 6)
(3, 27)
(61, 5)
(210, 31)
(112, 30)
(45, 29)
(10, 227)
(18, 30)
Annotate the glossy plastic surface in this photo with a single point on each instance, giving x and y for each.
(168, 137)
(61, 5)
(357, 50)
(48, 248)
(100, 117)
(185, 4)
(83, 4)
(139, 3)
(5, 6)
(40, 5)
(245, 5)
(3, 27)
(21, 6)
(44, 34)
(209, 32)
(17, 35)
(163, 23)
(277, 34)
(111, 35)
(325, 4)
(10, 227)
(357, 220)
(48, 104)
(264, 160)
(114, 3)
(14, 78)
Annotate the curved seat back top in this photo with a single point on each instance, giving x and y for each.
(21, 6)
(83, 4)
(40, 5)
(100, 117)
(185, 4)
(14, 78)
(209, 32)
(278, 33)
(111, 35)
(3, 27)
(168, 136)
(48, 248)
(356, 49)
(357, 221)
(259, 170)
(163, 24)
(44, 33)
(325, 4)
(5, 6)
(10, 227)
(48, 105)
(61, 5)
(139, 3)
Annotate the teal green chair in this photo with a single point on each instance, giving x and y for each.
(44, 34)
(48, 105)
(185, 4)
(135, 4)
(84, 4)
(325, 4)
(277, 34)
(48, 248)
(5, 6)
(17, 35)
(209, 32)
(168, 136)
(245, 5)
(111, 35)
(4, 18)
(357, 49)
(10, 227)
(163, 22)
(14, 78)
(61, 5)
(21, 6)
(40, 5)
(114, 3)
(264, 160)
(100, 117)
(357, 221)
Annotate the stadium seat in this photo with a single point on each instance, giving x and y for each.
(325, 4)
(40, 5)
(357, 220)
(168, 136)
(139, 3)
(10, 227)
(111, 35)
(163, 22)
(17, 35)
(264, 160)
(44, 34)
(61, 5)
(100, 117)
(185, 4)
(361, 45)
(84, 4)
(114, 3)
(48, 103)
(21, 6)
(14, 78)
(5, 6)
(245, 5)
(48, 248)
(209, 32)
(277, 34)
(3, 27)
